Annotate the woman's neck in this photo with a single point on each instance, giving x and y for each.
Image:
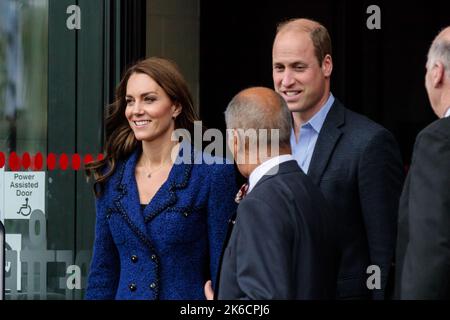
(157, 154)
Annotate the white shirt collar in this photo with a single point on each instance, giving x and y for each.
(264, 167)
(447, 114)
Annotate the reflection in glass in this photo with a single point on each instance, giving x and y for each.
(23, 121)
(23, 75)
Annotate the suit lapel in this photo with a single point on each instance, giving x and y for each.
(328, 137)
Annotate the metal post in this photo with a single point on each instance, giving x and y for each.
(2, 261)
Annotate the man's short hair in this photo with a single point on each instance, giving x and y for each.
(318, 33)
(440, 51)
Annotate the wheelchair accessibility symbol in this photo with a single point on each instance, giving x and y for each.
(25, 209)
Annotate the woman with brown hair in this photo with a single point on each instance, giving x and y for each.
(161, 222)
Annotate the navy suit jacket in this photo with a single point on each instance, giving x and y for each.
(282, 245)
(358, 167)
(171, 248)
(423, 246)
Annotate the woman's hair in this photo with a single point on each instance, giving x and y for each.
(120, 139)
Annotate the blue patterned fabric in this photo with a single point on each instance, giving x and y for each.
(170, 249)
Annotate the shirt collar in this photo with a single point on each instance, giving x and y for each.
(316, 122)
(447, 114)
(264, 167)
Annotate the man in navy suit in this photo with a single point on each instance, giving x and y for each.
(423, 246)
(355, 162)
(282, 245)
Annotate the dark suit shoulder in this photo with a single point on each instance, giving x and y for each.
(269, 191)
(357, 128)
(363, 126)
(433, 140)
(440, 127)
(288, 179)
(288, 192)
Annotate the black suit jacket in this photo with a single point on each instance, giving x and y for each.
(358, 167)
(282, 244)
(423, 247)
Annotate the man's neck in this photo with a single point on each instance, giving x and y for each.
(300, 118)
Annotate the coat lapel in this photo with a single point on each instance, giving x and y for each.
(328, 137)
(127, 201)
(178, 179)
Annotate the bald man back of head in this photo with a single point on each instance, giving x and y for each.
(437, 78)
(260, 108)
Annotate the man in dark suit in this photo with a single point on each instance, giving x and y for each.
(423, 246)
(282, 244)
(355, 162)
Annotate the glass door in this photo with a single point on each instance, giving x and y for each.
(53, 59)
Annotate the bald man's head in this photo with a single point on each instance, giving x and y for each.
(437, 78)
(260, 108)
(444, 35)
(440, 49)
(266, 100)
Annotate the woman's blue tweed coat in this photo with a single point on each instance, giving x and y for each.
(170, 249)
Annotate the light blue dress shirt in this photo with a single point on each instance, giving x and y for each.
(303, 149)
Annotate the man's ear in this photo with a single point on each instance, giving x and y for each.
(437, 74)
(327, 66)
